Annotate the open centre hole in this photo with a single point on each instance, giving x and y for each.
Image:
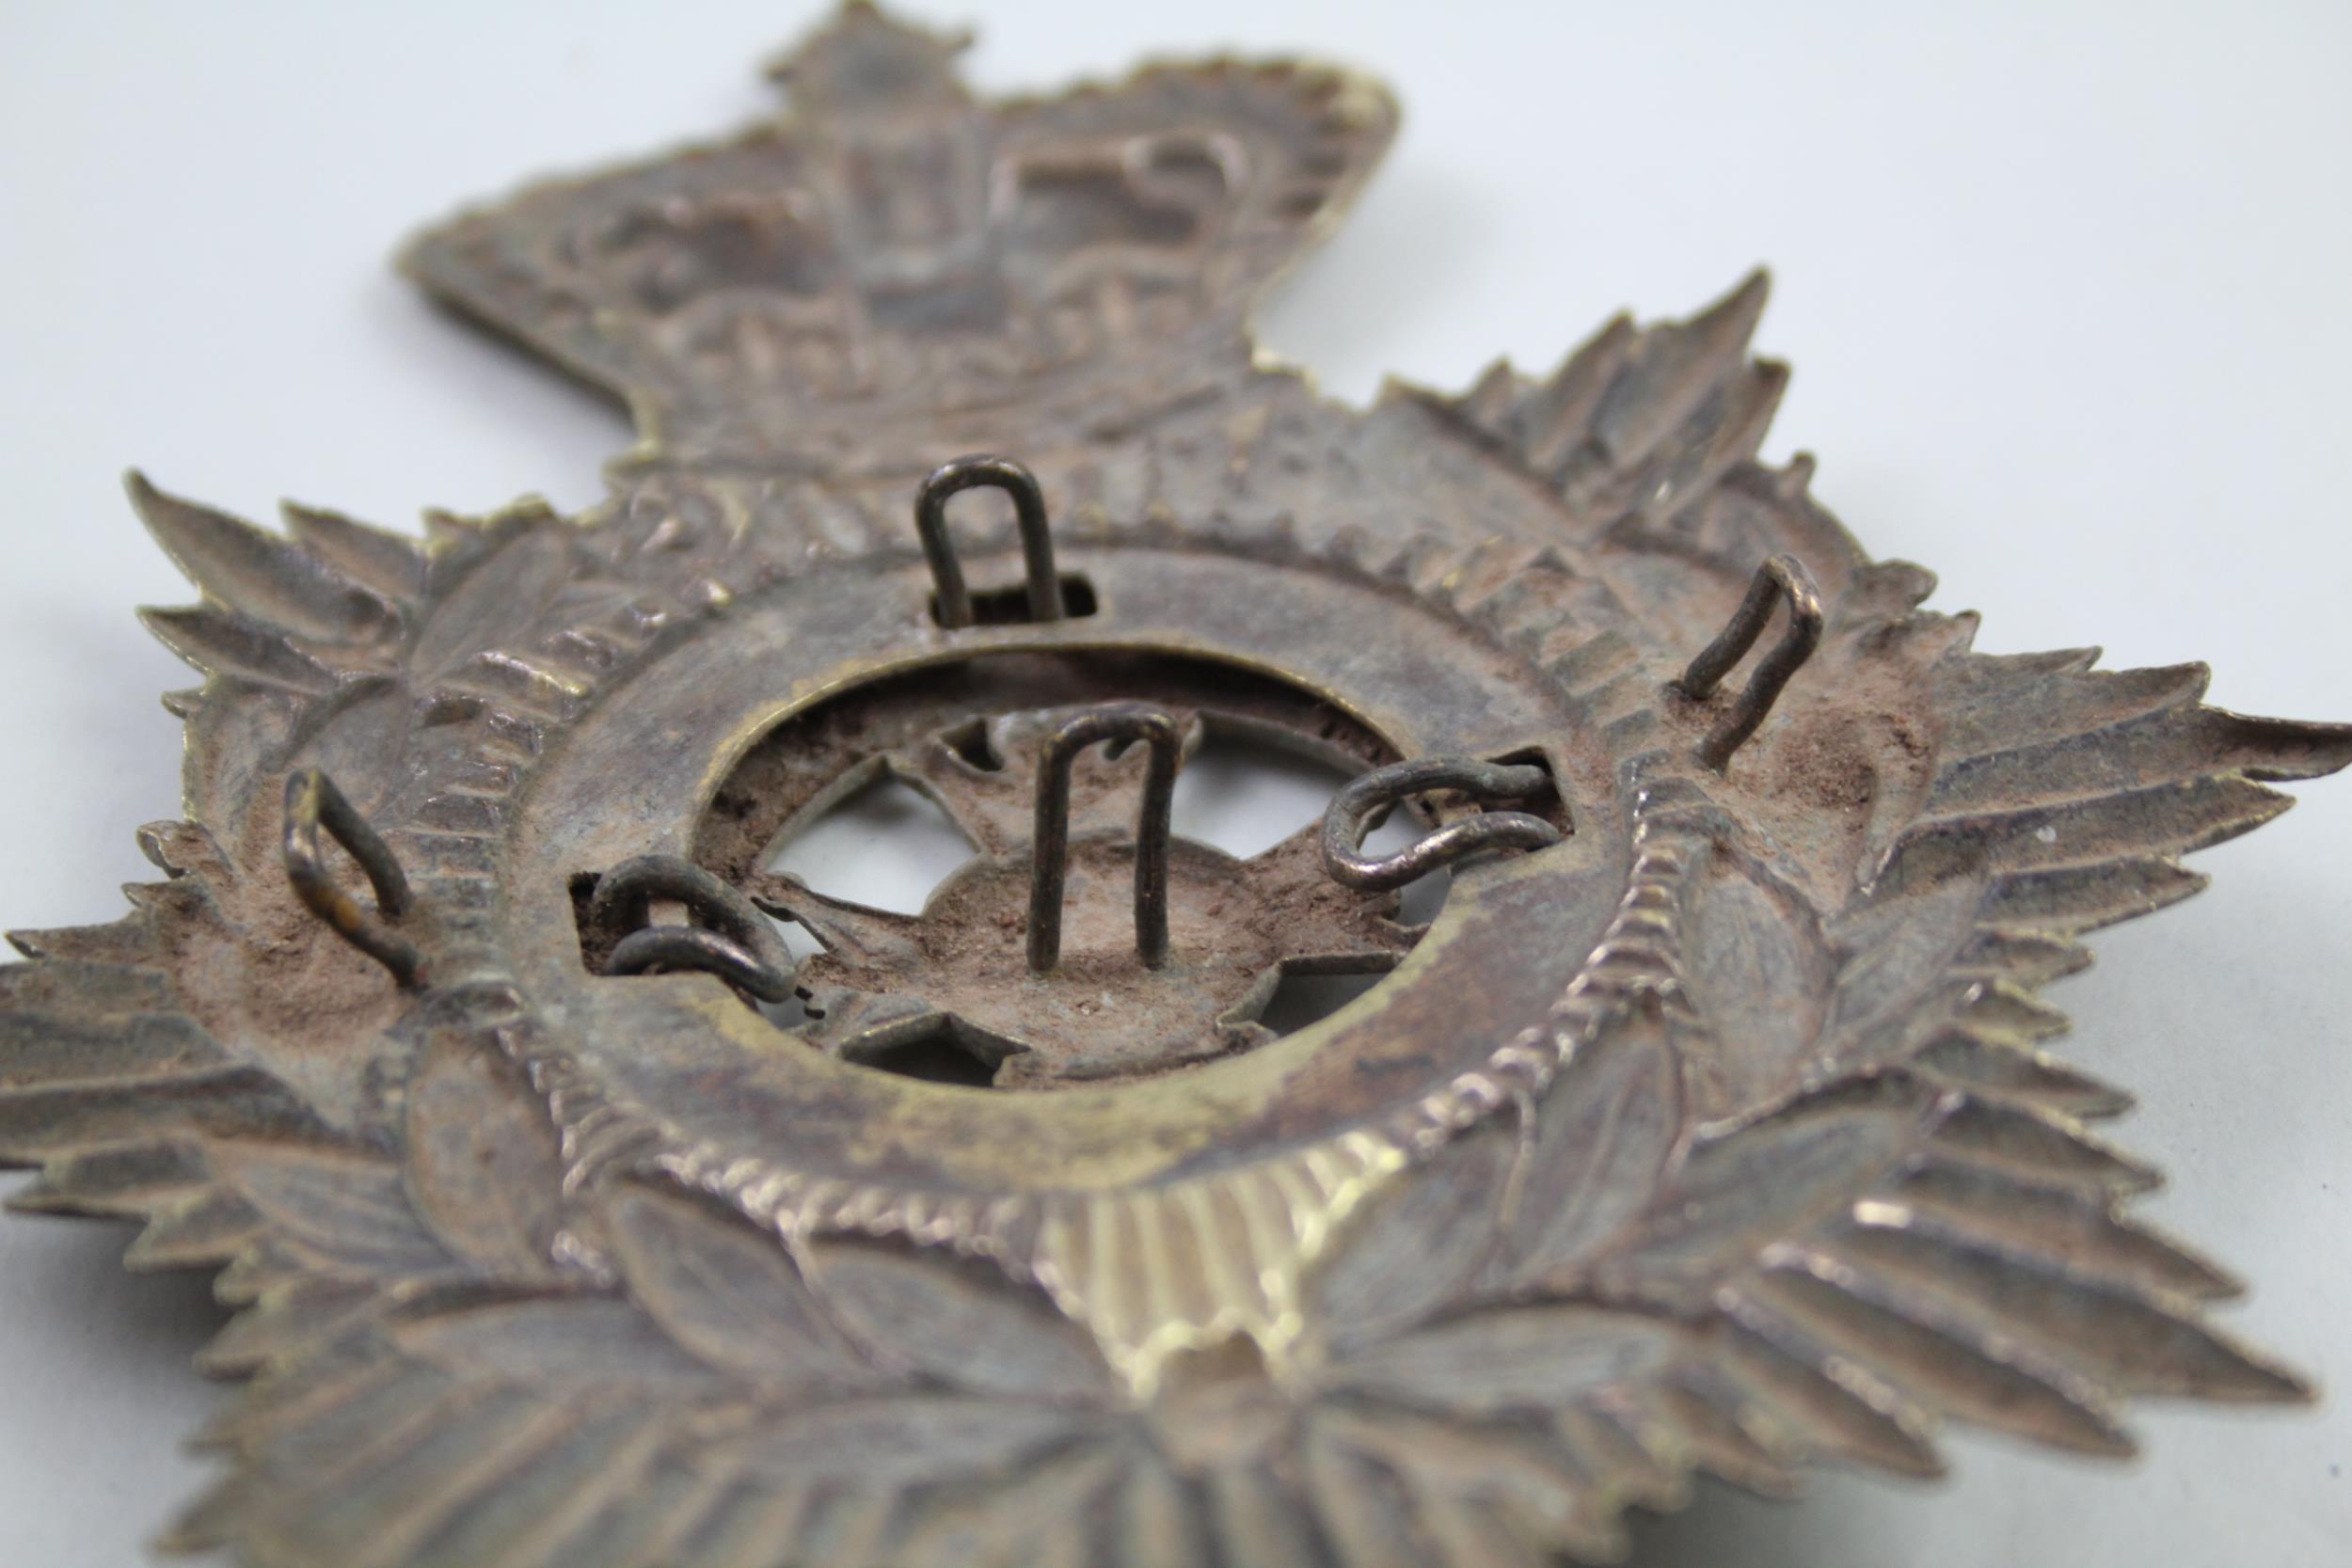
(887, 846)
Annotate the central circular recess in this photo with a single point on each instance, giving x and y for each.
(956, 992)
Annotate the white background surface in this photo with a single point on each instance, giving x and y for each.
(2064, 290)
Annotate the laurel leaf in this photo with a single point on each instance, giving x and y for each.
(1415, 1242)
(349, 1211)
(484, 601)
(962, 1322)
(1759, 974)
(554, 1339)
(1776, 1176)
(1512, 1358)
(1898, 949)
(483, 1165)
(728, 1293)
(1602, 1134)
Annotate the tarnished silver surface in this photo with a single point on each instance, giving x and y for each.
(1704, 1130)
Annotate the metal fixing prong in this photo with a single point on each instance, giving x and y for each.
(1037, 542)
(690, 948)
(1050, 844)
(1782, 579)
(1362, 798)
(313, 805)
(741, 948)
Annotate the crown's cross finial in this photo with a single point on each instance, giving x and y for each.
(865, 61)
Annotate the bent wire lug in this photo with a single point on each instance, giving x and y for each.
(1364, 799)
(1781, 579)
(982, 471)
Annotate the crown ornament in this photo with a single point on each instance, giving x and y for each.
(892, 265)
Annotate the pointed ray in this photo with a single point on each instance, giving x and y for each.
(206, 1229)
(2174, 746)
(754, 1524)
(2035, 1147)
(2164, 817)
(265, 577)
(215, 1520)
(364, 1509)
(1451, 1475)
(1667, 378)
(286, 1324)
(1158, 1520)
(2138, 1343)
(520, 1523)
(281, 1398)
(1999, 1069)
(2051, 1227)
(129, 942)
(2084, 897)
(1945, 1359)
(132, 1179)
(1259, 1523)
(220, 1101)
(1552, 420)
(43, 1051)
(390, 563)
(1714, 1440)
(1618, 1454)
(1359, 1505)
(83, 991)
(223, 643)
(1825, 1402)
(2053, 699)
(640, 1522)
